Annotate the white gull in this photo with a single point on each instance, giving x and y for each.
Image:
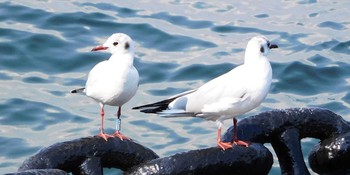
(114, 81)
(227, 96)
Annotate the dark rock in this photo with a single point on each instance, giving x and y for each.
(285, 128)
(310, 122)
(40, 172)
(91, 166)
(288, 150)
(255, 159)
(69, 156)
(331, 156)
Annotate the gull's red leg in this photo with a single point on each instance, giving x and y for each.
(223, 145)
(118, 126)
(235, 139)
(102, 133)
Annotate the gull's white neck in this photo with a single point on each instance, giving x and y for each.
(122, 58)
(254, 56)
(257, 63)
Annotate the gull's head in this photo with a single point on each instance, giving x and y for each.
(117, 43)
(259, 45)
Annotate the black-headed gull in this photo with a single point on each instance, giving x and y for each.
(114, 81)
(227, 96)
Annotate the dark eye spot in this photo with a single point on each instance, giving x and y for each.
(127, 45)
(262, 49)
(115, 43)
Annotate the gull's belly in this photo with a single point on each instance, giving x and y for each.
(114, 90)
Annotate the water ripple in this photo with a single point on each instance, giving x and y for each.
(19, 147)
(237, 29)
(342, 47)
(160, 71)
(199, 71)
(331, 25)
(322, 78)
(167, 91)
(121, 11)
(34, 115)
(45, 52)
(173, 138)
(181, 21)
(17, 13)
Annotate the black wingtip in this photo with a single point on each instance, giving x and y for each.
(149, 109)
(273, 46)
(77, 90)
(155, 107)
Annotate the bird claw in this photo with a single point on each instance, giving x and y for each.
(120, 136)
(229, 145)
(224, 145)
(241, 143)
(104, 136)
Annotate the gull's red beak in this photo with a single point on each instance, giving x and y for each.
(97, 48)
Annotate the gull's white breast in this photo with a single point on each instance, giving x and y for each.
(112, 83)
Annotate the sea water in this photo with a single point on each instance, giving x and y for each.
(45, 53)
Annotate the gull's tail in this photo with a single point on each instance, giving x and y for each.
(171, 107)
(162, 108)
(80, 90)
(155, 107)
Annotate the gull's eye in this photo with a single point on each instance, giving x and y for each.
(115, 43)
(262, 49)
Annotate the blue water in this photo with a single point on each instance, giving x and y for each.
(44, 49)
